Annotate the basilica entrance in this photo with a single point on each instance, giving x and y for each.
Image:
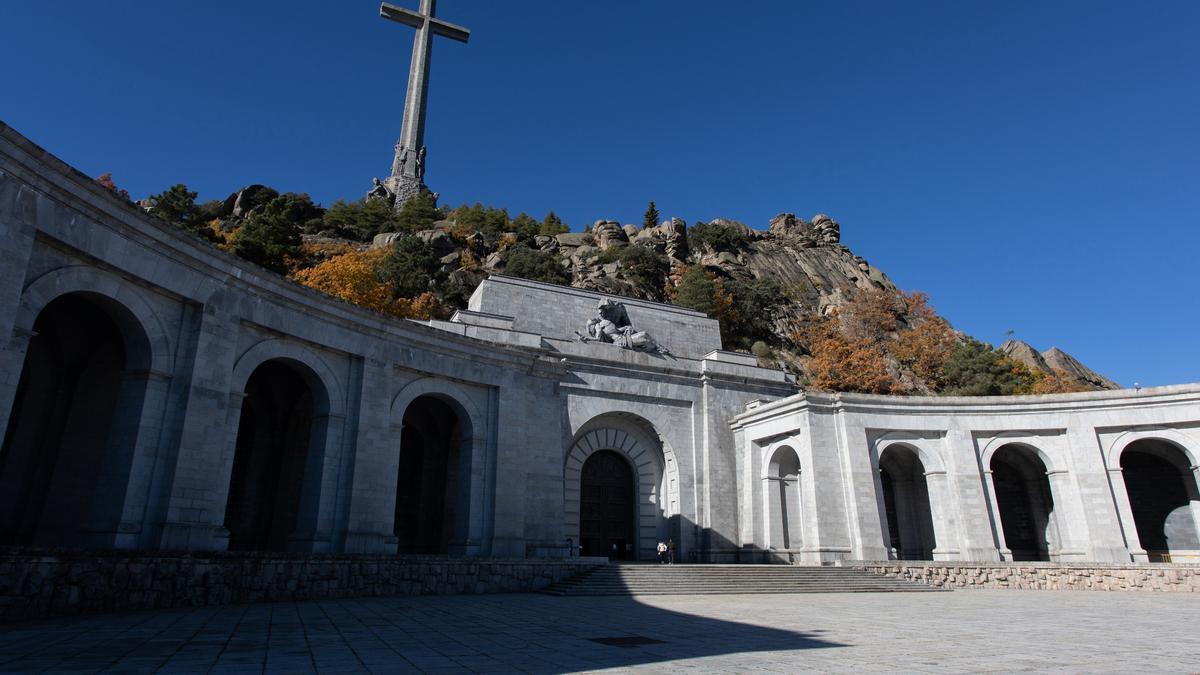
(606, 507)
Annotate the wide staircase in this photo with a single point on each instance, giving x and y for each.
(654, 579)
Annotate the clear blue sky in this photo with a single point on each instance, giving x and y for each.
(1033, 166)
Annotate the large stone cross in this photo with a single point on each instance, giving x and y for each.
(408, 165)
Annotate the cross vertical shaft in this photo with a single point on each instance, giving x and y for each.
(408, 164)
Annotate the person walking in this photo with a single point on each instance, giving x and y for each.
(662, 553)
(670, 551)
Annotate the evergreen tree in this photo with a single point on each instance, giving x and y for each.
(410, 268)
(552, 225)
(975, 369)
(696, 291)
(176, 205)
(272, 235)
(525, 226)
(650, 219)
(418, 213)
(360, 220)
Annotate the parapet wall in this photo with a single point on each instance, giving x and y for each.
(1046, 576)
(40, 585)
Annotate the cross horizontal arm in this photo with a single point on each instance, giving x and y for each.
(401, 15)
(449, 30)
(417, 20)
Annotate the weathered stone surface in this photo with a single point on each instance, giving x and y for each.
(572, 239)
(1046, 576)
(609, 233)
(39, 584)
(1064, 362)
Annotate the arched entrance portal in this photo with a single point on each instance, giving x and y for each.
(1161, 491)
(66, 457)
(783, 499)
(278, 431)
(906, 503)
(607, 512)
(427, 485)
(1024, 502)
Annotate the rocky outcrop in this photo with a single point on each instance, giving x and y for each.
(1055, 361)
(1065, 363)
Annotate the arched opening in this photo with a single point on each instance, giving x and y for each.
(427, 485)
(1024, 501)
(65, 461)
(280, 427)
(906, 503)
(783, 499)
(1161, 489)
(607, 508)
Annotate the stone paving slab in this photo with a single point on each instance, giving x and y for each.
(964, 631)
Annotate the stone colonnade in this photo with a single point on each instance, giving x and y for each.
(1102, 477)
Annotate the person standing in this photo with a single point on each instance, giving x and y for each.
(670, 551)
(662, 553)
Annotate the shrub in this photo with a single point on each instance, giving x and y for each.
(271, 236)
(410, 267)
(528, 263)
(716, 236)
(361, 220)
(418, 213)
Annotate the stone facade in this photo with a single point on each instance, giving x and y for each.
(1047, 576)
(216, 406)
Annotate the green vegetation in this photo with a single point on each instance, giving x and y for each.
(528, 263)
(697, 291)
(410, 268)
(360, 220)
(716, 236)
(552, 225)
(271, 236)
(418, 213)
(975, 369)
(650, 219)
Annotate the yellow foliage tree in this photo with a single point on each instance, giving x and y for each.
(352, 277)
(1057, 382)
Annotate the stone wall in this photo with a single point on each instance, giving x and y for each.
(34, 585)
(1046, 576)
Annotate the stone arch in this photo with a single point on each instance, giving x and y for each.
(127, 306)
(468, 472)
(1159, 495)
(1024, 440)
(76, 428)
(1023, 500)
(781, 477)
(931, 459)
(451, 393)
(313, 515)
(1189, 447)
(909, 532)
(654, 467)
(326, 385)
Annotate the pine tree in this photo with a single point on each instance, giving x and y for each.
(651, 218)
(552, 225)
(418, 213)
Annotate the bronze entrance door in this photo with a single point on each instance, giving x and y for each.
(606, 508)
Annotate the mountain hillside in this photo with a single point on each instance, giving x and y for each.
(792, 294)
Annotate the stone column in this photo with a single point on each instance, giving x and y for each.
(133, 447)
(469, 521)
(998, 523)
(318, 496)
(372, 499)
(199, 483)
(18, 215)
(1116, 481)
(945, 530)
(971, 492)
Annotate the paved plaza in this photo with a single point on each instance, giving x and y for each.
(973, 630)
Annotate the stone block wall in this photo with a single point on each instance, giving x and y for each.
(35, 585)
(1046, 576)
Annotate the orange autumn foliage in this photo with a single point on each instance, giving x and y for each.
(841, 363)
(1057, 382)
(927, 345)
(352, 276)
